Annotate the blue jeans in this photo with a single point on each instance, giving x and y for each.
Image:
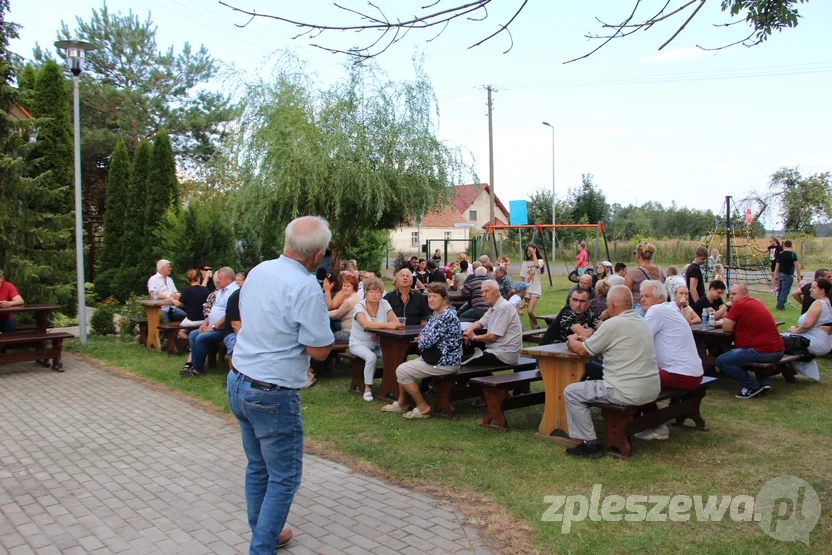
(8, 326)
(731, 364)
(230, 341)
(172, 314)
(272, 432)
(786, 281)
(199, 346)
(472, 313)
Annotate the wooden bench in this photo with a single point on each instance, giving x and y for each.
(142, 324)
(171, 331)
(623, 420)
(357, 372)
(319, 366)
(534, 336)
(779, 367)
(454, 387)
(34, 347)
(496, 388)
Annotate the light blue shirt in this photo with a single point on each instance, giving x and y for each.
(282, 311)
(221, 303)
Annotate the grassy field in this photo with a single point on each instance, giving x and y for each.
(749, 443)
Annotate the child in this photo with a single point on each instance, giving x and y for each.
(719, 272)
(518, 299)
(580, 259)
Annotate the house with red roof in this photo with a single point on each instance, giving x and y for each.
(474, 203)
(437, 225)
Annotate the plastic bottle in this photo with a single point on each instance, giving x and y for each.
(153, 295)
(711, 320)
(705, 319)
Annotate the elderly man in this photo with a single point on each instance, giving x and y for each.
(631, 376)
(756, 339)
(286, 323)
(213, 329)
(506, 283)
(504, 335)
(472, 291)
(676, 355)
(584, 284)
(573, 319)
(166, 291)
(406, 303)
(8, 297)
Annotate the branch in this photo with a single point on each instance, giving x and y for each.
(626, 21)
(685, 24)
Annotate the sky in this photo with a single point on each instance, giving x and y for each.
(679, 125)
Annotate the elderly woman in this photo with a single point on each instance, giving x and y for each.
(599, 303)
(673, 281)
(815, 326)
(644, 270)
(344, 313)
(440, 344)
(682, 302)
(373, 313)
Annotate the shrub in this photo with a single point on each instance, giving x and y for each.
(101, 321)
(131, 309)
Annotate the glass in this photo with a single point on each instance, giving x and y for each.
(403, 321)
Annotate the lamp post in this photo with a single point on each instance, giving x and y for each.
(554, 233)
(75, 49)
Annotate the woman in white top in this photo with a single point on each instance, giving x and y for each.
(344, 313)
(373, 313)
(683, 304)
(815, 326)
(532, 273)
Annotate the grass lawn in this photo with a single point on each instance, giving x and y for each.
(749, 443)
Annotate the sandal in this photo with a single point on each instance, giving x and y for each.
(415, 414)
(191, 373)
(392, 407)
(186, 369)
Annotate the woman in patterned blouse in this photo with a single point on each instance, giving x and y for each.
(440, 343)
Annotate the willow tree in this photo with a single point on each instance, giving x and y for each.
(363, 154)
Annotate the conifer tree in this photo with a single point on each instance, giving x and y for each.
(26, 86)
(162, 191)
(115, 219)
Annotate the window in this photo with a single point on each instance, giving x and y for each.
(472, 215)
(414, 237)
(447, 235)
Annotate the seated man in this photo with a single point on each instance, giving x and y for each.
(801, 294)
(212, 329)
(504, 336)
(756, 339)
(166, 291)
(8, 297)
(631, 376)
(406, 303)
(472, 291)
(584, 284)
(232, 322)
(573, 319)
(506, 283)
(679, 364)
(713, 301)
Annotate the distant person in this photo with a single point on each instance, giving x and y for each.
(618, 274)
(783, 274)
(581, 259)
(714, 259)
(620, 269)
(601, 272)
(472, 291)
(773, 250)
(506, 283)
(162, 283)
(644, 270)
(673, 281)
(192, 300)
(461, 275)
(531, 272)
(240, 279)
(8, 297)
(406, 303)
(518, 299)
(437, 257)
(584, 283)
(599, 304)
(206, 276)
(693, 275)
(802, 293)
(434, 274)
(719, 272)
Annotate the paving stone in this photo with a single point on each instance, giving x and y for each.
(115, 467)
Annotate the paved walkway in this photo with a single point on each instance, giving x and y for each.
(94, 463)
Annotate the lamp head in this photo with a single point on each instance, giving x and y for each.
(75, 49)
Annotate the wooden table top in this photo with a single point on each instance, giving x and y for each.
(149, 302)
(407, 332)
(554, 350)
(30, 308)
(719, 332)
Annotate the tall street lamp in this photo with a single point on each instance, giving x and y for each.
(75, 49)
(554, 233)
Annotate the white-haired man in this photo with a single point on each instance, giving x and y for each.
(504, 332)
(286, 323)
(472, 291)
(679, 364)
(166, 291)
(631, 376)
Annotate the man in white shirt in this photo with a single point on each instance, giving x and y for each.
(679, 364)
(504, 332)
(211, 330)
(166, 291)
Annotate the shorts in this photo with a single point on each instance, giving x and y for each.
(581, 271)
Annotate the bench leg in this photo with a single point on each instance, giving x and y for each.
(357, 376)
(695, 400)
(494, 398)
(444, 386)
(211, 360)
(616, 442)
(143, 333)
(171, 334)
(788, 373)
(57, 363)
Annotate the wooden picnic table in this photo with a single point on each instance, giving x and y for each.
(153, 309)
(714, 342)
(41, 313)
(395, 346)
(33, 344)
(558, 367)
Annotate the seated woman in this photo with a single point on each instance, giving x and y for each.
(600, 273)
(332, 292)
(421, 275)
(441, 346)
(373, 313)
(344, 313)
(599, 304)
(683, 304)
(191, 302)
(815, 326)
(673, 281)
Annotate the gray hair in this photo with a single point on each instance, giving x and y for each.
(484, 258)
(227, 272)
(481, 271)
(307, 235)
(659, 290)
(491, 283)
(161, 264)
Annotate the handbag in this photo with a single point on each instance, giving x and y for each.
(796, 344)
(432, 355)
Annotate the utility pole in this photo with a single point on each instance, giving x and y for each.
(490, 156)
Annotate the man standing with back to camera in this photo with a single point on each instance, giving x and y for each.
(285, 321)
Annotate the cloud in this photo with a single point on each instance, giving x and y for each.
(680, 55)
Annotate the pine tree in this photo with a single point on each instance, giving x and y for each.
(115, 218)
(26, 86)
(162, 191)
(43, 260)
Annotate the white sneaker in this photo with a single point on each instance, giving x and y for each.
(659, 432)
(368, 396)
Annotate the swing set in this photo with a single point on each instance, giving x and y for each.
(599, 234)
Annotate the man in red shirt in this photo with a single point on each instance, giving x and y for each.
(756, 339)
(8, 297)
